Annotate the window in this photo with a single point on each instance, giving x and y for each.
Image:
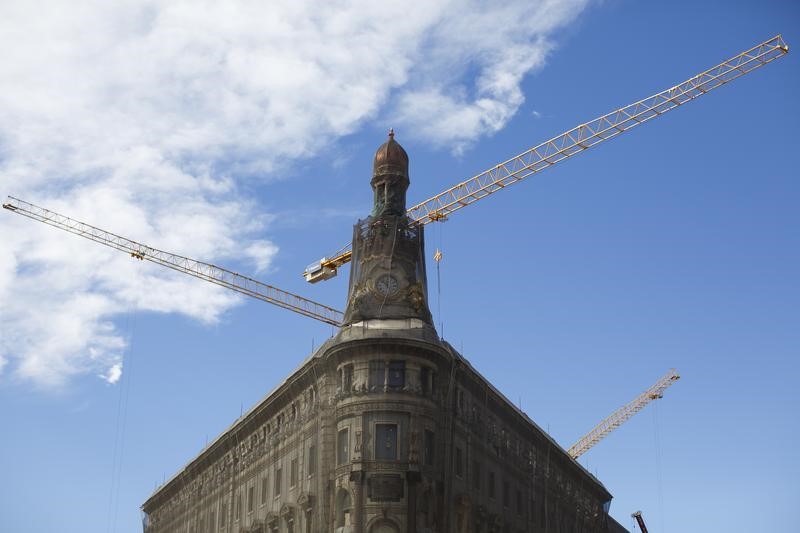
(293, 474)
(506, 494)
(376, 374)
(459, 463)
(347, 378)
(312, 460)
(425, 380)
(491, 485)
(251, 499)
(278, 481)
(430, 448)
(264, 487)
(397, 374)
(237, 509)
(212, 521)
(519, 501)
(343, 447)
(391, 374)
(386, 442)
(223, 514)
(476, 475)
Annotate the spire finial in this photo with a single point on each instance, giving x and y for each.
(391, 133)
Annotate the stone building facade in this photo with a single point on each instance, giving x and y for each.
(385, 428)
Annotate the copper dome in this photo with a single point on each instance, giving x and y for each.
(390, 159)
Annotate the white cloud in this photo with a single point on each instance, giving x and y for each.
(501, 43)
(140, 117)
(113, 374)
(261, 253)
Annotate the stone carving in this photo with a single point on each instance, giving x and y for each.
(357, 446)
(385, 487)
(416, 297)
(413, 447)
(305, 501)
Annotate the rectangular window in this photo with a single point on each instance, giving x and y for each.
(237, 509)
(425, 380)
(278, 481)
(264, 487)
(347, 378)
(476, 475)
(491, 485)
(430, 447)
(212, 521)
(519, 501)
(397, 374)
(386, 442)
(506, 494)
(343, 447)
(251, 499)
(293, 473)
(377, 369)
(223, 514)
(459, 463)
(312, 460)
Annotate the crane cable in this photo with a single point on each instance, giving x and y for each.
(396, 228)
(437, 256)
(121, 419)
(659, 480)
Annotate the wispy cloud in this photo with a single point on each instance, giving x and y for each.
(113, 374)
(141, 117)
(500, 44)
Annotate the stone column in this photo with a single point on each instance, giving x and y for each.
(357, 484)
(412, 477)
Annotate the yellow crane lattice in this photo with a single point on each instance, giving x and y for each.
(621, 415)
(214, 274)
(568, 144)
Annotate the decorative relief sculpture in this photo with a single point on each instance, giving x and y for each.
(413, 447)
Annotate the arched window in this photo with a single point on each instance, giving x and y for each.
(384, 526)
(344, 508)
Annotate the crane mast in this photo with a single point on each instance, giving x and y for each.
(214, 274)
(568, 144)
(621, 415)
(639, 520)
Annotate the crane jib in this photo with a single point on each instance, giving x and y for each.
(571, 142)
(205, 271)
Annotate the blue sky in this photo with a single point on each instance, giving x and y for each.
(245, 138)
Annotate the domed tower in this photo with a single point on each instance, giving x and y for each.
(387, 277)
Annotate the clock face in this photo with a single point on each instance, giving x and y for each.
(386, 284)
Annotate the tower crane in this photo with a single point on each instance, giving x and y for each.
(440, 206)
(621, 415)
(214, 274)
(568, 144)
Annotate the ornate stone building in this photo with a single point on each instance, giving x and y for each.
(385, 428)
